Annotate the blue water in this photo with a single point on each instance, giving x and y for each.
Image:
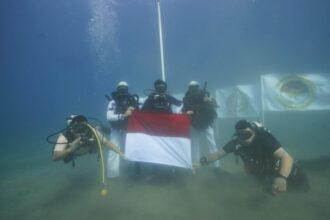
(61, 57)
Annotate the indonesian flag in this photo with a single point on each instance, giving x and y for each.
(159, 138)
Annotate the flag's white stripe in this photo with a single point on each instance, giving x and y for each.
(174, 151)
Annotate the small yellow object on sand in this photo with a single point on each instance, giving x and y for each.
(104, 192)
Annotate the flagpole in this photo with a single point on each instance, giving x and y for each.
(262, 101)
(161, 41)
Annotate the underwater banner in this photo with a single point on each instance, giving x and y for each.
(296, 92)
(238, 101)
(159, 138)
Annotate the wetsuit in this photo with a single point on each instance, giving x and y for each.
(160, 103)
(259, 160)
(201, 123)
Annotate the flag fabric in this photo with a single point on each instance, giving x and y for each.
(238, 101)
(298, 92)
(159, 138)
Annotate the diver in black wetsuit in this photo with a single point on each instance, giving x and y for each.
(263, 157)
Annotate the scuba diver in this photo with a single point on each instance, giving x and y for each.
(198, 103)
(80, 138)
(159, 100)
(263, 157)
(121, 105)
(201, 107)
(120, 108)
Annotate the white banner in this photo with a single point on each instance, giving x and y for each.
(298, 92)
(238, 101)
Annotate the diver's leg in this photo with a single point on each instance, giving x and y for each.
(195, 137)
(209, 134)
(113, 157)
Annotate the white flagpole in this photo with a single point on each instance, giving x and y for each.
(262, 101)
(161, 41)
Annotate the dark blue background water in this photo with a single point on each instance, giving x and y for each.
(61, 57)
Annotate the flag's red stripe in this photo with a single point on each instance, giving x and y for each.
(159, 124)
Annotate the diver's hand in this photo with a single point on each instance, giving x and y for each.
(122, 156)
(279, 185)
(120, 153)
(196, 166)
(75, 144)
(128, 112)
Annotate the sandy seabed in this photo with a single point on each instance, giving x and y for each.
(34, 188)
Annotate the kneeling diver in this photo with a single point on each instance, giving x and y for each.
(78, 139)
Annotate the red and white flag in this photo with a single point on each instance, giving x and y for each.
(159, 138)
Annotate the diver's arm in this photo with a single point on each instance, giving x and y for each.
(286, 161)
(216, 155)
(114, 148)
(111, 116)
(212, 157)
(109, 144)
(63, 149)
(128, 112)
(227, 148)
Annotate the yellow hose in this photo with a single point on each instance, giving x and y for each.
(103, 179)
